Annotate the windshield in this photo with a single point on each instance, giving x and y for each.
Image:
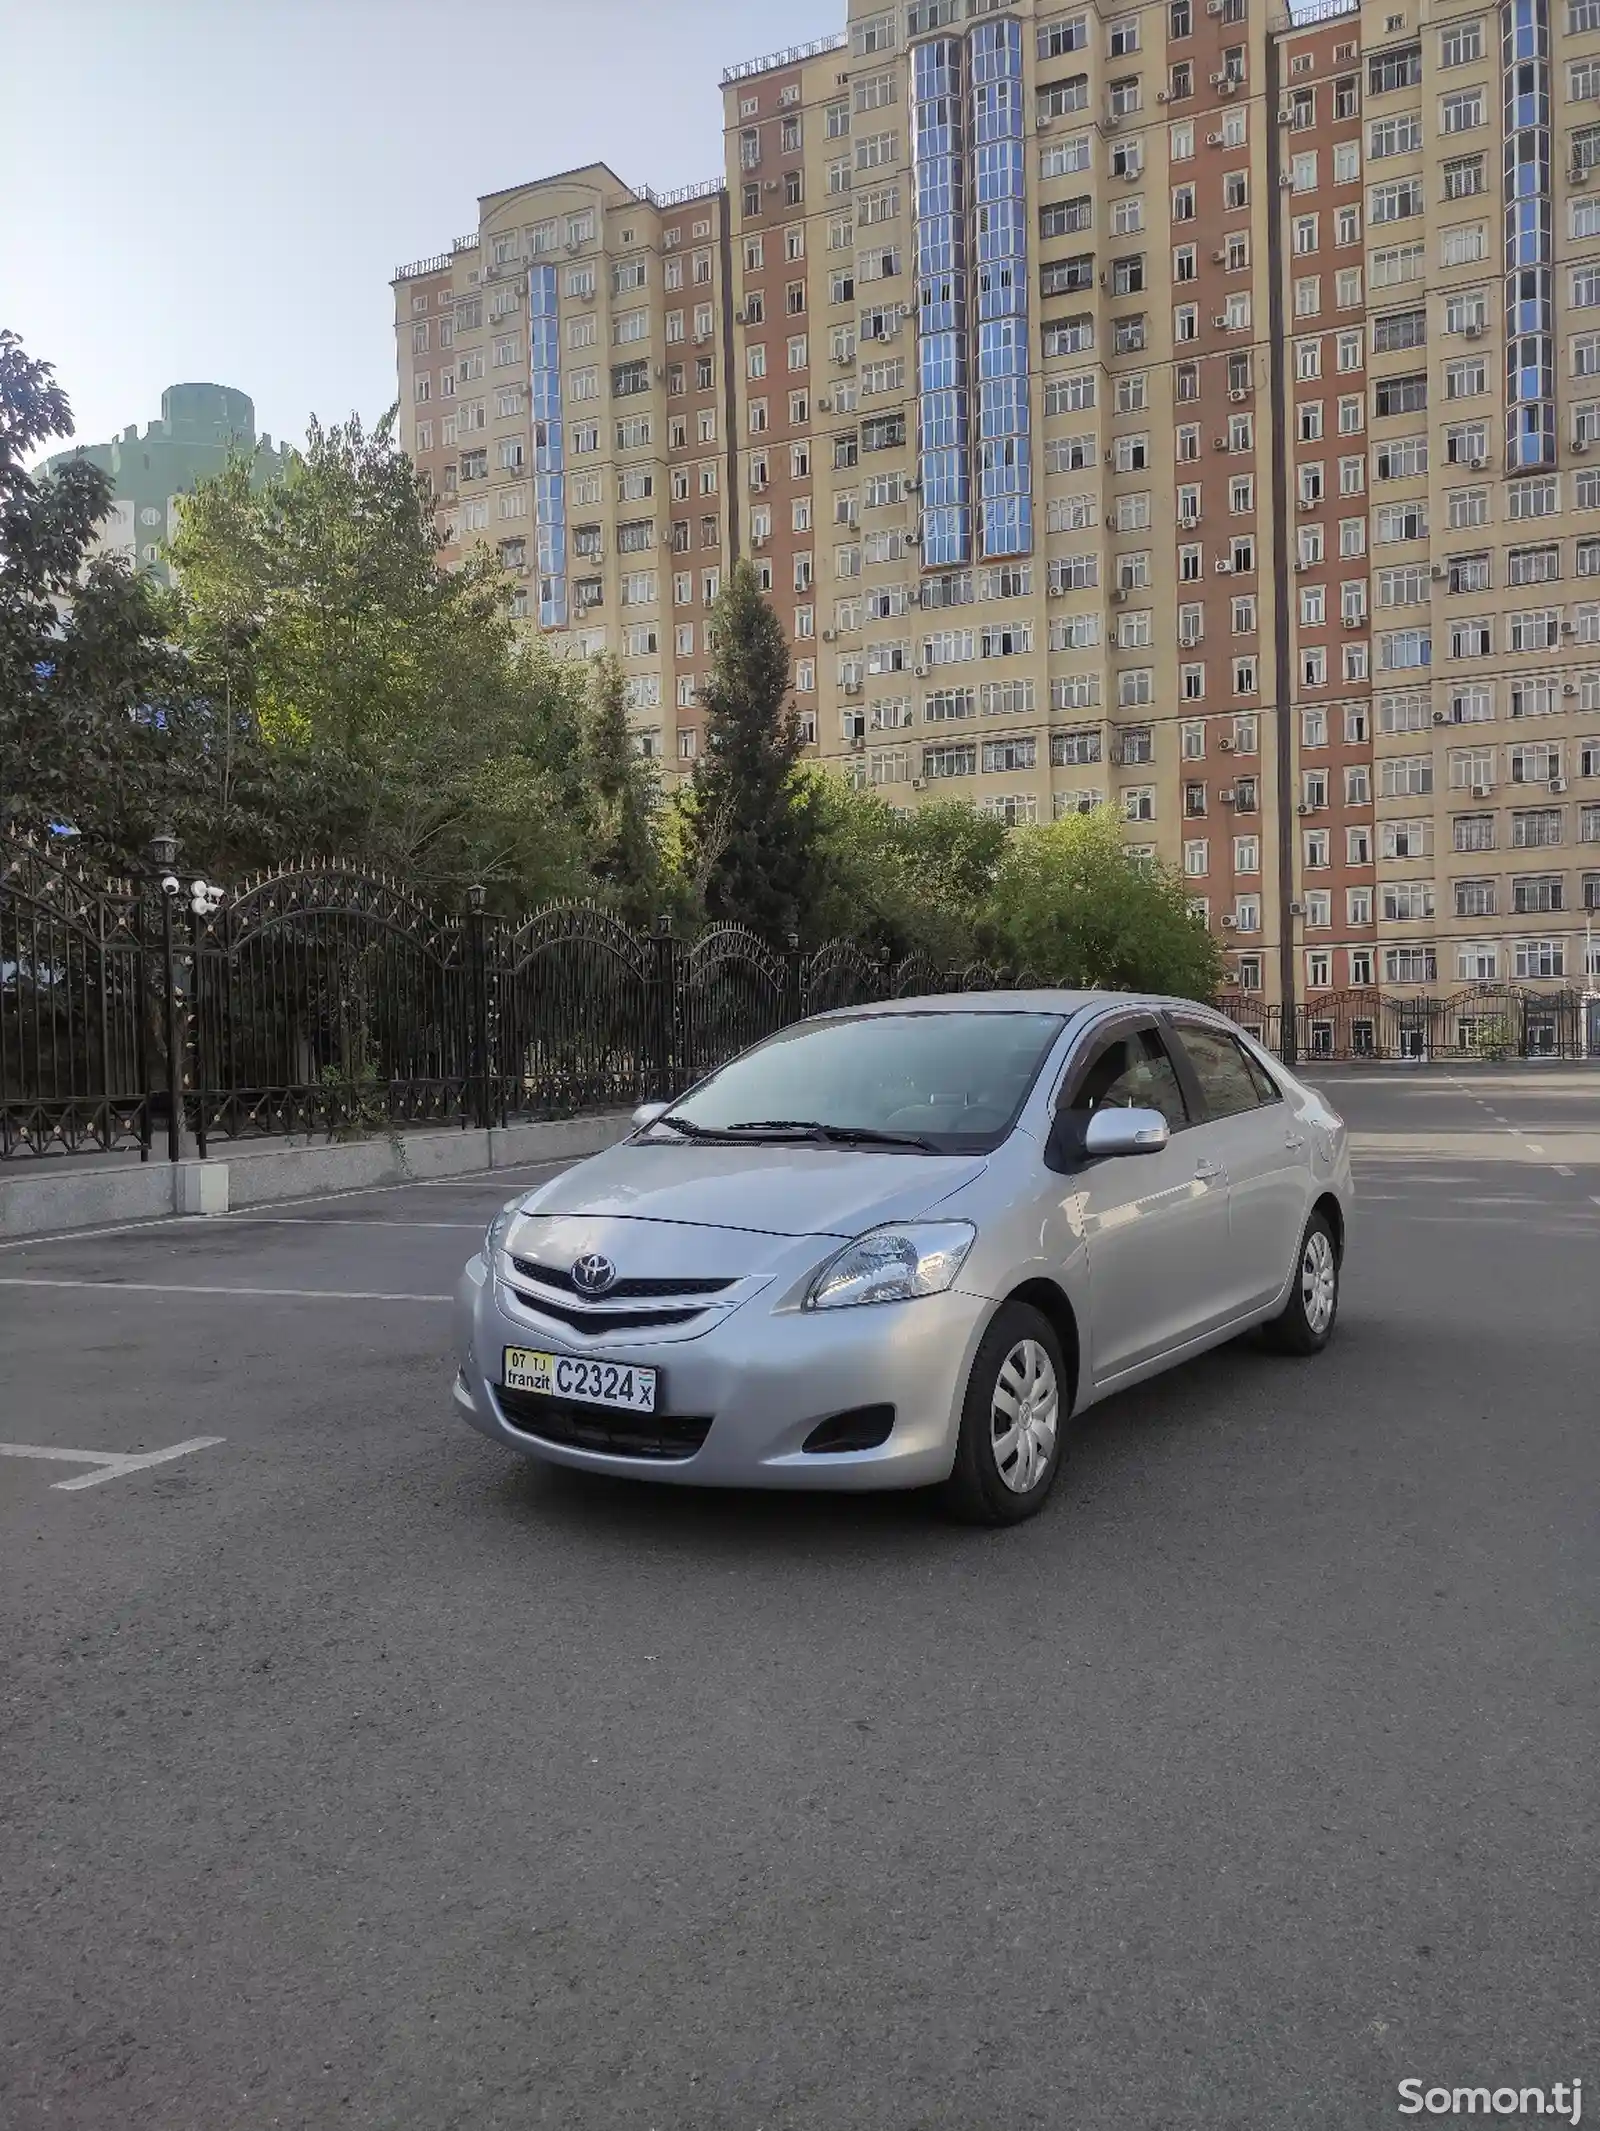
(953, 1082)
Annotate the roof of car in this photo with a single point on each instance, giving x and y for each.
(1038, 1001)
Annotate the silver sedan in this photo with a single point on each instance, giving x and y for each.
(903, 1245)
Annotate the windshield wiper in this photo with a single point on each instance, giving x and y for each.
(829, 1135)
(682, 1124)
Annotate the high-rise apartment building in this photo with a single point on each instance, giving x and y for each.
(565, 385)
(201, 428)
(1177, 406)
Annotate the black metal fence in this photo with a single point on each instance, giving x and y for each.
(1485, 1022)
(320, 999)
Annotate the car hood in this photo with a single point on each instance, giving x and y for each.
(802, 1190)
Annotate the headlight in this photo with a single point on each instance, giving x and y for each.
(499, 1229)
(893, 1265)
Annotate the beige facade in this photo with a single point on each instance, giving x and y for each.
(563, 382)
(972, 352)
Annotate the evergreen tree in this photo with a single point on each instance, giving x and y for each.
(625, 797)
(752, 821)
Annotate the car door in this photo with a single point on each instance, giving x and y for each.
(1262, 1143)
(1154, 1226)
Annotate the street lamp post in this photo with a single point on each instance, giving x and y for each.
(204, 899)
(164, 852)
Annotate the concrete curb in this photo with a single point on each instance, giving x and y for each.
(49, 1201)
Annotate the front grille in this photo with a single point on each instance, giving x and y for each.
(591, 1319)
(637, 1289)
(622, 1435)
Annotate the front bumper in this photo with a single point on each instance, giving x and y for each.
(766, 1377)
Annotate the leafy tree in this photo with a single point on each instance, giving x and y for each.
(900, 882)
(751, 823)
(98, 727)
(625, 797)
(1069, 903)
(415, 729)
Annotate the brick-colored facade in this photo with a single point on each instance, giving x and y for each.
(1195, 319)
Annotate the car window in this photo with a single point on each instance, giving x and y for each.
(1223, 1071)
(955, 1077)
(1132, 1071)
(1266, 1087)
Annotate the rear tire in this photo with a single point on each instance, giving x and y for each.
(1305, 1323)
(1013, 1421)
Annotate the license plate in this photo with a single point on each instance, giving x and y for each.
(587, 1383)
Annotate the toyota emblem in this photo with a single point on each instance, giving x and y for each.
(593, 1274)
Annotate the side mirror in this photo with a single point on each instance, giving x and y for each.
(1125, 1132)
(647, 1113)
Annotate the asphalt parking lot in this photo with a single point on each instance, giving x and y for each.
(356, 1774)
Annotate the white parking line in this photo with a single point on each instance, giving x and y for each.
(113, 1464)
(153, 1287)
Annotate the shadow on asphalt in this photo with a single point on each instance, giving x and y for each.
(1116, 1437)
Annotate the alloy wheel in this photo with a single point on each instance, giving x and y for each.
(1024, 1415)
(1318, 1280)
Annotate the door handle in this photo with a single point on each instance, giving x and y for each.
(1294, 1141)
(1208, 1171)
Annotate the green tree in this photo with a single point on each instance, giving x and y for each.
(750, 822)
(625, 797)
(904, 882)
(98, 727)
(404, 717)
(1070, 904)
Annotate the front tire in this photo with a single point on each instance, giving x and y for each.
(1013, 1422)
(1305, 1323)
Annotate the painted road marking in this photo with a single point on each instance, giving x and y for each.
(1562, 1170)
(153, 1287)
(113, 1464)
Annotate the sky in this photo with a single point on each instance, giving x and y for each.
(221, 189)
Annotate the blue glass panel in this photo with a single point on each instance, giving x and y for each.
(944, 420)
(941, 361)
(1003, 407)
(1006, 528)
(944, 477)
(997, 170)
(935, 68)
(936, 244)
